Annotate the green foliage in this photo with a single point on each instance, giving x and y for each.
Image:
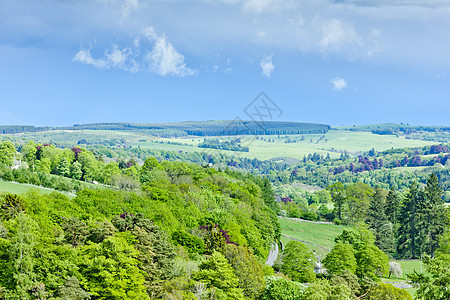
(324, 290)
(337, 192)
(11, 206)
(110, 269)
(341, 258)
(247, 269)
(372, 262)
(387, 291)
(217, 273)
(434, 286)
(71, 290)
(191, 242)
(298, 262)
(378, 222)
(280, 288)
(7, 153)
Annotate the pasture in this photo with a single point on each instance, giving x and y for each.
(317, 237)
(261, 147)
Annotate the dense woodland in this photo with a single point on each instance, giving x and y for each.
(177, 230)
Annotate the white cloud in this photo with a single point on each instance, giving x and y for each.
(338, 83)
(128, 7)
(114, 58)
(267, 66)
(336, 34)
(160, 57)
(164, 59)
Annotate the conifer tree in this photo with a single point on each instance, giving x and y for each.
(392, 206)
(378, 222)
(408, 244)
(433, 215)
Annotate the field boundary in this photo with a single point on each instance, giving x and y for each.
(308, 221)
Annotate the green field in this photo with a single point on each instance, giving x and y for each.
(18, 188)
(319, 237)
(330, 143)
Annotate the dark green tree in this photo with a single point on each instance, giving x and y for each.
(378, 222)
(392, 206)
(434, 218)
(408, 244)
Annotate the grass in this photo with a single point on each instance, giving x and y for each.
(330, 143)
(19, 188)
(319, 237)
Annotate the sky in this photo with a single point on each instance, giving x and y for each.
(337, 62)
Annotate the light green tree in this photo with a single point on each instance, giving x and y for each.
(218, 274)
(298, 262)
(340, 258)
(7, 153)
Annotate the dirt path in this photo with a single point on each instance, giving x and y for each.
(273, 254)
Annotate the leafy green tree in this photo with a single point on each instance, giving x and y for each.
(435, 285)
(71, 290)
(408, 244)
(21, 254)
(280, 288)
(357, 203)
(247, 269)
(340, 258)
(217, 273)
(323, 290)
(298, 262)
(387, 291)
(156, 254)
(76, 231)
(337, 192)
(110, 269)
(29, 153)
(372, 262)
(7, 153)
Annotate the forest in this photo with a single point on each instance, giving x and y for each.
(176, 230)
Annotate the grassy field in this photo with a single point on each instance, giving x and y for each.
(18, 188)
(330, 143)
(319, 237)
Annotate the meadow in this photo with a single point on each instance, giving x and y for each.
(331, 143)
(20, 188)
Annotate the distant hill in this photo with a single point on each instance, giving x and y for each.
(213, 128)
(11, 129)
(392, 128)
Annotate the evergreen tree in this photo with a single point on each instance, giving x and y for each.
(392, 206)
(433, 216)
(408, 244)
(64, 167)
(378, 222)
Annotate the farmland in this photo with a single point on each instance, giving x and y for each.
(295, 146)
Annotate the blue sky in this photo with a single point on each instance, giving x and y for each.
(334, 62)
